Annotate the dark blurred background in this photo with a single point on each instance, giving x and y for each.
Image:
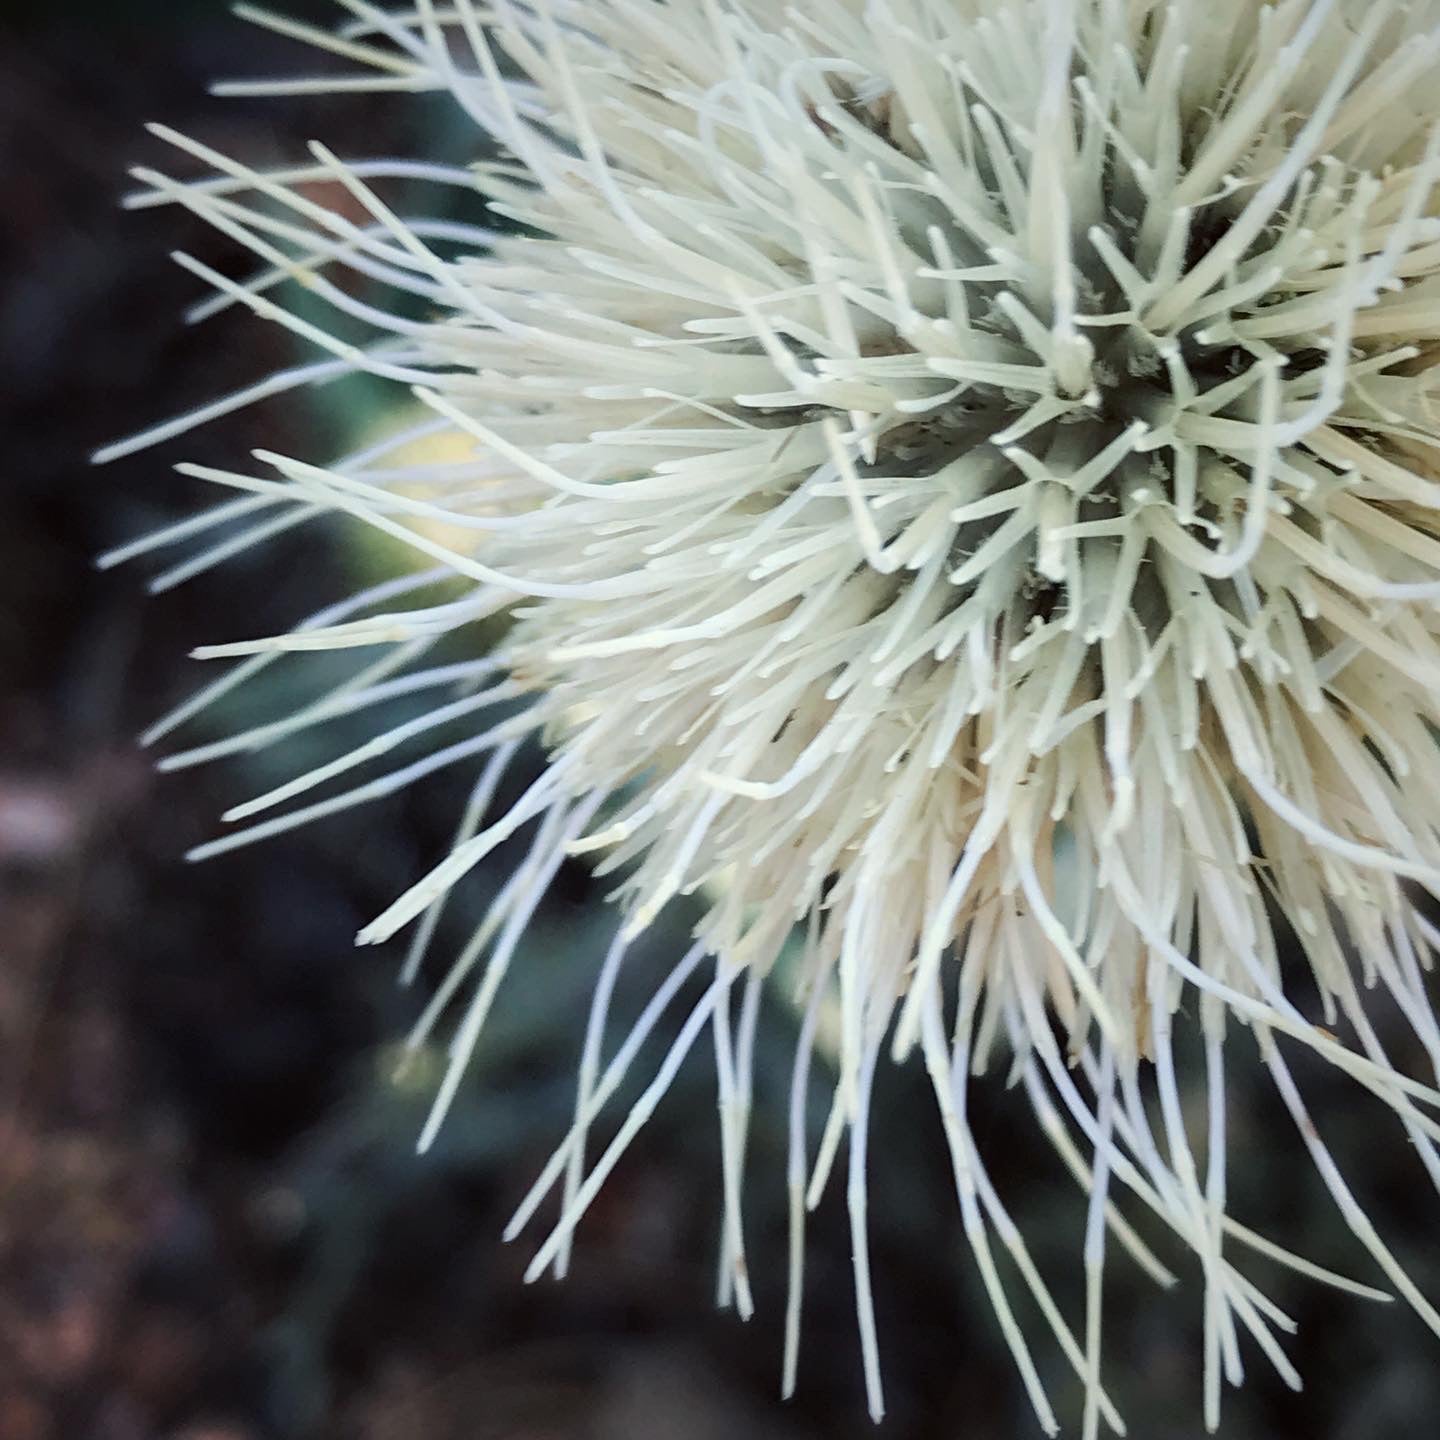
(213, 1225)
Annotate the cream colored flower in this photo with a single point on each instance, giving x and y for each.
(965, 475)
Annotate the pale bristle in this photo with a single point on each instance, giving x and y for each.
(971, 471)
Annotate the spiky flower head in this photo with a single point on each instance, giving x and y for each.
(964, 477)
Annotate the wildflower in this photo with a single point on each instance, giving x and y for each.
(963, 473)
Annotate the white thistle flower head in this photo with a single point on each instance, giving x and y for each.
(967, 476)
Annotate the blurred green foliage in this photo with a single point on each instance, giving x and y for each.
(162, 17)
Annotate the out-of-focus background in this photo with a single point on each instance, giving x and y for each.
(213, 1225)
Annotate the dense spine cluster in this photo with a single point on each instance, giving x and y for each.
(964, 476)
